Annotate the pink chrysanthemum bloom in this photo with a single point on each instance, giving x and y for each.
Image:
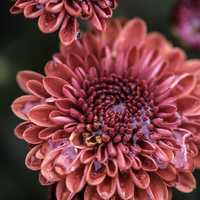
(186, 22)
(63, 15)
(116, 116)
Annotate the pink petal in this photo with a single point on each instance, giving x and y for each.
(141, 179)
(125, 185)
(186, 182)
(169, 174)
(53, 7)
(59, 70)
(111, 167)
(50, 22)
(73, 8)
(75, 181)
(68, 30)
(22, 105)
(24, 76)
(54, 86)
(33, 11)
(157, 189)
(91, 193)
(62, 193)
(134, 31)
(107, 188)
(47, 167)
(98, 22)
(96, 173)
(39, 115)
(31, 135)
(19, 130)
(32, 161)
(87, 155)
(37, 89)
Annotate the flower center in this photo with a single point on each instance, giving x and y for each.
(119, 109)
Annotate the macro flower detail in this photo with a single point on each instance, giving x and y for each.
(63, 15)
(186, 23)
(116, 116)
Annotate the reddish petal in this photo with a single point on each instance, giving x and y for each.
(77, 140)
(39, 115)
(96, 173)
(91, 193)
(68, 31)
(33, 10)
(186, 182)
(37, 89)
(47, 167)
(43, 181)
(183, 85)
(134, 31)
(141, 179)
(54, 86)
(59, 70)
(87, 155)
(53, 7)
(22, 105)
(169, 174)
(62, 193)
(157, 189)
(31, 135)
(32, 161)
(125, 186)
(111, 167)
(148, 163)
(75, 181)
(19, 130)
(98, 22)
(157, 41)
(107, 188)
(102, 154)
(50, 22)
(140, 194)
(24, 76)
(73, 8)
(68, 160)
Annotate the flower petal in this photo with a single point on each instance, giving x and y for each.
(107, 188)
(75, 181)
(54, 86)
(62, 193)
(68, 31)
(157, 189)
(141, 179)
(22, 105)
(24, 76)
(186, 182)
(125, 185)
(39, 115)
(96, 173)
(134, 29)
(50, 22)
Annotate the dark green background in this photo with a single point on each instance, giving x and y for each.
(22, 46)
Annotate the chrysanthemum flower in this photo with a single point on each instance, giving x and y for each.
(63, 15)
(186, 22)
(116, 116)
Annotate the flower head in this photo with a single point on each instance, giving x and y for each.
(62, 15)
(186, 22)
(116, 116)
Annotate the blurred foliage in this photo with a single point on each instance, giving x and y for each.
(24, 47)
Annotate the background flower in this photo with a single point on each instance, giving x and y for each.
(115, 116)
(63, 15)
(186, 22)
